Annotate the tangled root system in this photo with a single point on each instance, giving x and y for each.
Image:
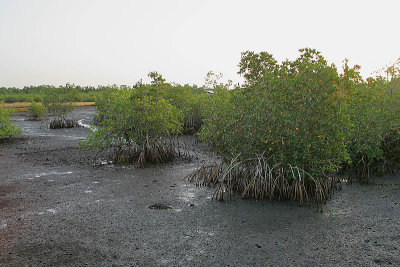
(256, 178)
(152, 151)
(61, 122)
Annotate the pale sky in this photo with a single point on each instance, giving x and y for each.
(89, 42)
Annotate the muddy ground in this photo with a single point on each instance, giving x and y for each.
(62, 206)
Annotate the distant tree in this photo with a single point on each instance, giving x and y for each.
(60, 102)
(157, 78)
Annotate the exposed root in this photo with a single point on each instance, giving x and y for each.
(192, 124)
(391, 150)
(362, 171)
(152, 151)
(62, 122)
(256, 178)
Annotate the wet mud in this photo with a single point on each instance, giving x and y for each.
(62, 206)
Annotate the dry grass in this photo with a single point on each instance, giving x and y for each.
(256, 178)
(83, 104)
(23, 106)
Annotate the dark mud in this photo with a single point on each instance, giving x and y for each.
(61, 206)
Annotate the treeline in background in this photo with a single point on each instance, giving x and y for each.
(39, 93)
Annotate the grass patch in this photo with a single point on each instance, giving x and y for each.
(24, 106)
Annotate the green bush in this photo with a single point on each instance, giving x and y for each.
(60, 102)
(391, 149)
(189, 100)
(374, 108)
(137, 124)
(290, 115)
(7, 128)
(36, 110)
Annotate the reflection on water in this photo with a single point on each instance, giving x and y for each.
(37, 128)
(52, 173)
(83, 123)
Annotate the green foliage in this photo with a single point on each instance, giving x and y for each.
(304, 114)
(36, 110)
(255, 66)
(189, 100)
(157, 79)
(284, 132)
(39, 93)
(7, 128)
(292, 112)
(61, 102)
(374, 108)
(136, 122)
(391, 148)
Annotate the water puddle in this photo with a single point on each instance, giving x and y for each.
(35, 128)
(50, 173)
(86, 125)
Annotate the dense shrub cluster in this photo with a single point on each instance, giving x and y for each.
(283, 134)
(292, 126)
(7, 128)
(36, 111)
(139, 122)
(374, 109)
(291, 115)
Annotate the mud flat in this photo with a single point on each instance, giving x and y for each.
(61, 206)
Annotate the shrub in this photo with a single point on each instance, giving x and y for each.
(189, 100)
(391, 149)
(7, 128)
(373, 107)
(36, 110)
(60, 103)
(137, 124)
(290, 117)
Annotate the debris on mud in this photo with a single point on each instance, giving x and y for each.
(160, 207)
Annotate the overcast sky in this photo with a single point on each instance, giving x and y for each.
(105, 42)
